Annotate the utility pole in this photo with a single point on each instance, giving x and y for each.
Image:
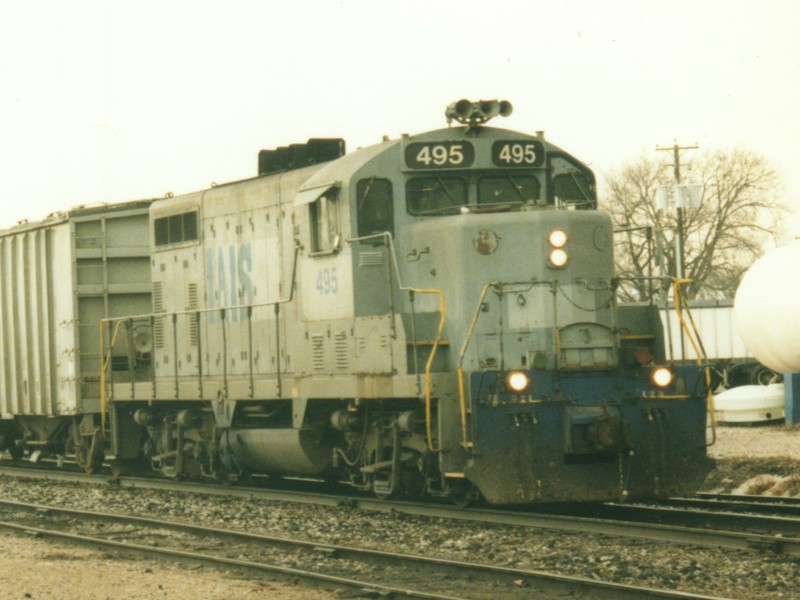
(676, 149)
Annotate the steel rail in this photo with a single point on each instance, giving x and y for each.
(787, 500)
(524, 580)
(697, 517)
(765, 506)
(673, 533)
(128, 548)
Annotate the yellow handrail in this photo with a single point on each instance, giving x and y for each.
(461, 397)
(678, 298)
(103, 367)
(429, 364)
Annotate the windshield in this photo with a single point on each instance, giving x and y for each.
(435, 195)
(450, 194)
(505, 189)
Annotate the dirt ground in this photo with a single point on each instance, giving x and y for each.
(37, 569)
(756, 441)
(758, 459)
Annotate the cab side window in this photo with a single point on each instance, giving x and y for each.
(375, 206)
(324, 213)
(176, 229)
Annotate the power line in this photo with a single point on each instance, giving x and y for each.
(676, 149)
(679, 234)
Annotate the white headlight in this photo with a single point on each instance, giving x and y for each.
(661, 377)
(517, 381)
(557, 238)
(558, 258)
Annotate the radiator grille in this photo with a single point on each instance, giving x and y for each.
(318, 353)
(341, 350)
(158, 307)
(192, 303)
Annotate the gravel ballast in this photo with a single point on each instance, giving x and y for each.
(746, 456)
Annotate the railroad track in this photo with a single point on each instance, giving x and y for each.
(381, 572)
(787, 500)
(731, 531)
(776, 505)
(685, 512)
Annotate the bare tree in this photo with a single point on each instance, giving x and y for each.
(740, 205)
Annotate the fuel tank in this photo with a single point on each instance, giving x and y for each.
(278, 451)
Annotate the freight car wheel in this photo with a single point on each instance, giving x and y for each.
(90, 460)
(17, 451)
(7, 443)
(88, 449)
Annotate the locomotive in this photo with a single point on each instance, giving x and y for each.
(434, 315)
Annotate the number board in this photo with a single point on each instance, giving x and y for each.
(440, 155)
(517, 153)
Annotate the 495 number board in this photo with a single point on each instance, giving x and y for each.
(440, 155)
(461, 155)
(517, 153)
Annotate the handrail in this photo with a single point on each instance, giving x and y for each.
(389, 241)
(104, 360)
(429, 363)
(460, 370)
(694, 338)
(103, 366)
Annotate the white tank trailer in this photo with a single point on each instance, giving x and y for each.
(767, 315)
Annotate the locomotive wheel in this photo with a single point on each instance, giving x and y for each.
(383, 491)
(464, 494)
(333, 482)
(412, 484)
(118, 469)
(231, 476)
(124, 467)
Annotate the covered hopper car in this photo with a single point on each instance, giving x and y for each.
(434, 315)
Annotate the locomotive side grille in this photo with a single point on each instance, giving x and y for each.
(158, 307)
(383, 342)
(191, 304)
(373, 347)
(342, 357)
(370, 259)
(318, 353)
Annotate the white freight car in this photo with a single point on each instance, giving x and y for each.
(58, 278)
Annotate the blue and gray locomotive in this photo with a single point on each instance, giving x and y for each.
(434, 315)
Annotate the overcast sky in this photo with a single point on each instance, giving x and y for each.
(105, 101)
